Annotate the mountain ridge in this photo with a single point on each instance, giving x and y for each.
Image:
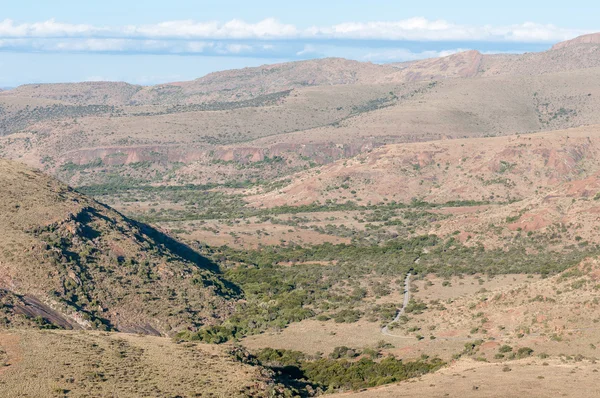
(250, 82)
(592, 38)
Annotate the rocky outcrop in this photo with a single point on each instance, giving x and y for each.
(321, 153)
(134, 154)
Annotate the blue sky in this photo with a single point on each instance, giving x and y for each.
(158, 41)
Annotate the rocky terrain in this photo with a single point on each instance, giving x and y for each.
(281, 208)
(79, 264)
(202, 131)
(591, 39)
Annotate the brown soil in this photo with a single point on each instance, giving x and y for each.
(13, 354)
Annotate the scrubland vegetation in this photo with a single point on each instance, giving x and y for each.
(282, 208)
(326, 280)
(354, 372)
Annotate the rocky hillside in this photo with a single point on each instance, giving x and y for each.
(485, 169)
(74, 263)
(260, 124)
(249, 83)
(544, 185)
(593, 38)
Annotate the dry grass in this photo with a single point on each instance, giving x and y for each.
(534, 378)
(314, 336)
(94, 266)
(338, 110)
(80, 364)
(432, 287)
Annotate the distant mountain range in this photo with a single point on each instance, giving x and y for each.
(307, 112)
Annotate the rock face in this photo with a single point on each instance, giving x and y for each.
(593, 38)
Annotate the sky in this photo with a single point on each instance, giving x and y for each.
(154, 41)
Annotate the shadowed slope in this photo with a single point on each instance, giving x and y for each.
(96, 267)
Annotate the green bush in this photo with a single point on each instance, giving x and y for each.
(524, 352)
(342, 374)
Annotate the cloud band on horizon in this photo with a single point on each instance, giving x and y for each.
(271, 39)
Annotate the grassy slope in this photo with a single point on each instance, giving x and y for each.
(96, 267)
(109, 364)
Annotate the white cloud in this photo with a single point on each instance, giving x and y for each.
(267, 38)
(402, 55)
(49, 28)
(105, 45)
(236, 48)
(199, 46)
(307, 50)
(235, 29)
(419, 29)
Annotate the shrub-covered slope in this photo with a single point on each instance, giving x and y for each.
(86, 263)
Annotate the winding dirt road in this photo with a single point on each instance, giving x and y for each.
(385, 330)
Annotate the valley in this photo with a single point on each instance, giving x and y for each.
(427, 228)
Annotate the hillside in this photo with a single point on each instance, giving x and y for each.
(537, 181)
(536, 313)
(225, 86)
(503, 132)
(60, 363)
(311, 125)
(527, 377)
(538, 190)
(494, 169)
(96, 133)
(68, 258)
(248, 83)
(88, 93)
(307, 112)
(352, 224)
(593, 38)
(552, 323)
